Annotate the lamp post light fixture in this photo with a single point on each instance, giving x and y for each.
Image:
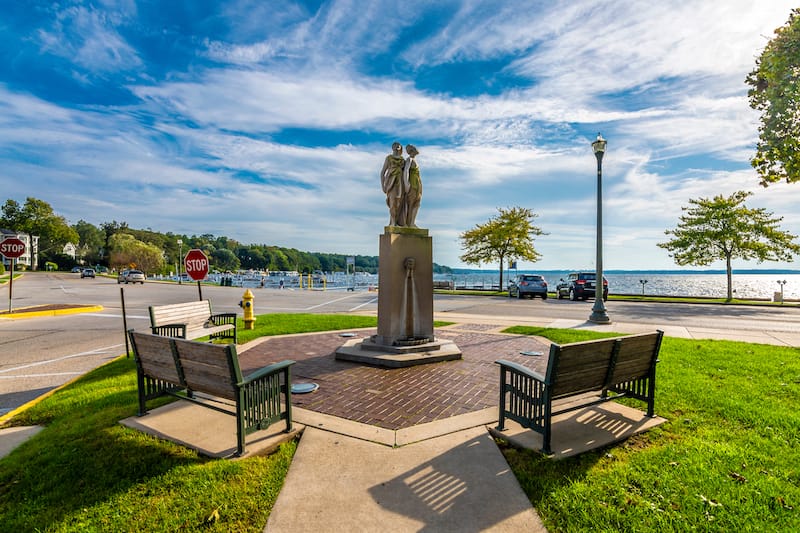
(599, 315)
(781, 283)
(180, 261)
(643, 282)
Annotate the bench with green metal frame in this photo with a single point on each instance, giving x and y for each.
(192, 320)
(612, 368)
(181, 368)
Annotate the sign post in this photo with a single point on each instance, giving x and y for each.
(196, 266)
(11, 248)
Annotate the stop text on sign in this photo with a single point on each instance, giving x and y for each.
(196, 264)
(12, 247)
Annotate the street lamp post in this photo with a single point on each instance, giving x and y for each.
(180, 260)
(599, 315)
(643, 282)
(781, 283)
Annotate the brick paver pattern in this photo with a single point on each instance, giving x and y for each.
(398, 398)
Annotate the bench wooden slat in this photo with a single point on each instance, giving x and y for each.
(195, 317)
(156, 360)
(260, 399)
(623, 365)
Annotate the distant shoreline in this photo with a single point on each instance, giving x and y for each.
(693, 271)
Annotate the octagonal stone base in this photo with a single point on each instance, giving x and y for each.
(367, 351)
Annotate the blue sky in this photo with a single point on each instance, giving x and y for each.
(268, 121)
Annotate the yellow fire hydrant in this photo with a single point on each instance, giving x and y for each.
(247, 305)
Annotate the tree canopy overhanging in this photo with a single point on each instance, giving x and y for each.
(775, 93)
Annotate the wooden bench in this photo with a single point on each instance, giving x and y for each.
(192, 320)
(622, 366)
(181, 368)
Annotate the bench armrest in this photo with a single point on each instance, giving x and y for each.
(223, 318)
(170, 330)
(519, 369)
(266, 371)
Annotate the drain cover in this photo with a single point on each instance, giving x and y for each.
(304, 388)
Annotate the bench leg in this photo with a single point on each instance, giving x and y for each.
(141, 394)
(546, 440)
(240, 433)
(287, 384)
(501, 416)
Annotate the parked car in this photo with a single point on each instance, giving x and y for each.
(87, 273)
(529, 285)
(135, 276)
(77, 269)
(121, 276)
(580, 286)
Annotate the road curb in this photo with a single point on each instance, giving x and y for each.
(52, 312)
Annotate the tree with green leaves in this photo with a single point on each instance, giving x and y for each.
(37, 218)
(224, 259)
(129, 252)
(90, 245)
(507, 236)
(775, 92)
(725, 229)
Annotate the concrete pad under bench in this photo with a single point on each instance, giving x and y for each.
(206, 431)
(582, 430)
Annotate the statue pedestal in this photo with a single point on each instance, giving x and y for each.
(405, 306)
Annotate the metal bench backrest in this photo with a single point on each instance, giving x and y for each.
(193, 314)
(210, 368)
(154, 354)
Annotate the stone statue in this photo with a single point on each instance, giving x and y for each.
(413, 186)
(392, 184)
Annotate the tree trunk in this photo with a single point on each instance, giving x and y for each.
(730, 277)
(501, 274)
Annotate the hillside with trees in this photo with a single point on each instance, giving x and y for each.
(116, 246)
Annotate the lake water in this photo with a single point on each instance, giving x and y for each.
(754, 285)
(659, 283)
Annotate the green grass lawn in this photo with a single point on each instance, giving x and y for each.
(728, 459)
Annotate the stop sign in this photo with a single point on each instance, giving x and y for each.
(12, 247)
(196, 264)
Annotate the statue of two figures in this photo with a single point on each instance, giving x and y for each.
(400, 180)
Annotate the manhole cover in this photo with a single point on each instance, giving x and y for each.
(304, 388)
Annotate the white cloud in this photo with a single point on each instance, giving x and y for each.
(89, 38)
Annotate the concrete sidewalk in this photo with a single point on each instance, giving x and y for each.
(458, 482)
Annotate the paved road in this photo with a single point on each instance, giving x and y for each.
(38, 354)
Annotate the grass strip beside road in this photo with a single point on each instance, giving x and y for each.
(728, 459)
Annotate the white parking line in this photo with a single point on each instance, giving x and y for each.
(329, 302)
(356, 308)
(108, 315)
(98, 351)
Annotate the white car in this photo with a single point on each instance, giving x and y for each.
(135, 276)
